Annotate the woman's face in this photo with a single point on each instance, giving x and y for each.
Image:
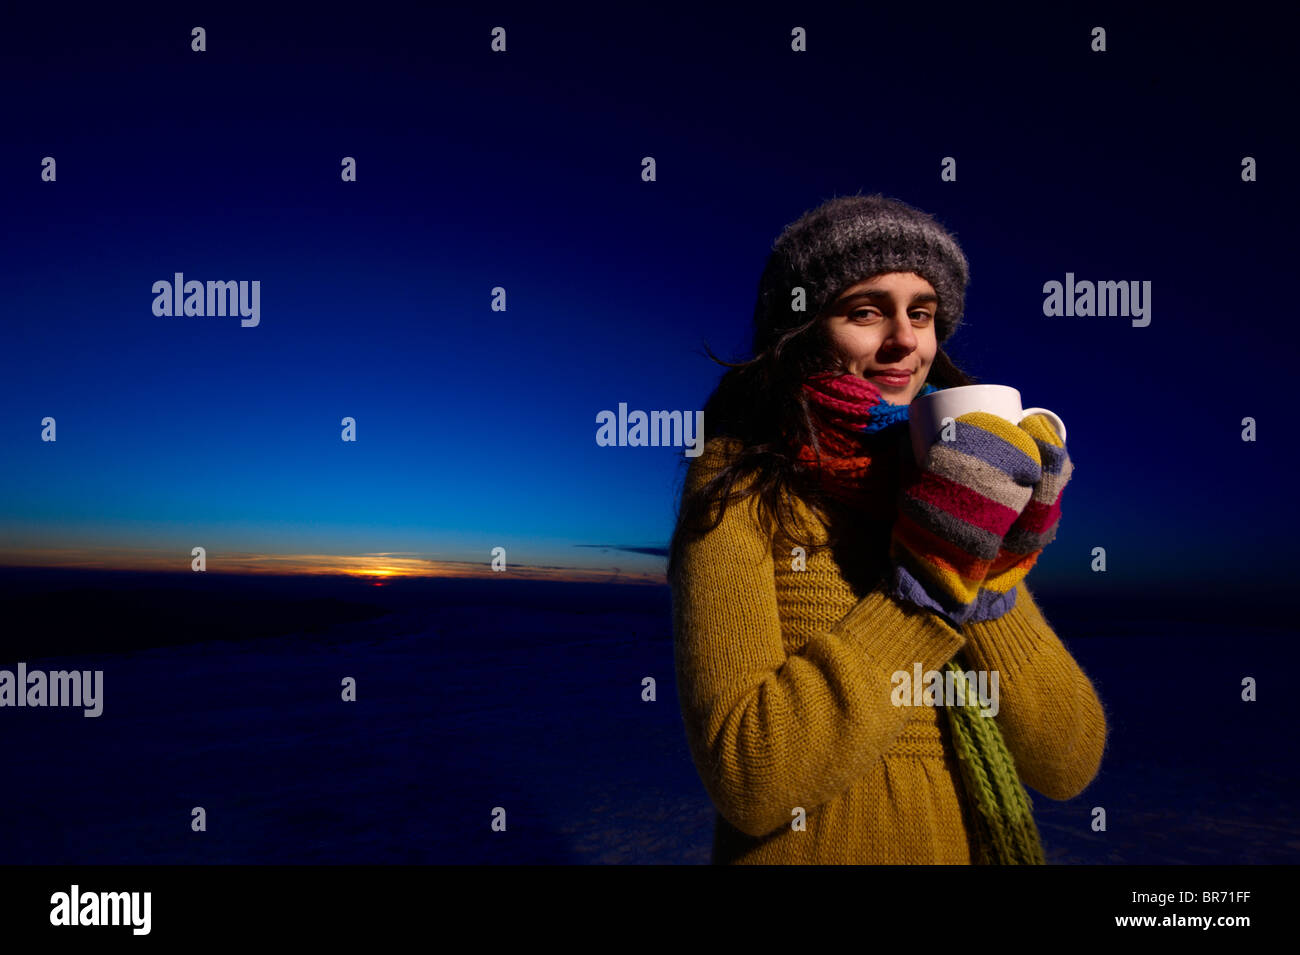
(886, 324)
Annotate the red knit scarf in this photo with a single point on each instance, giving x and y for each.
(865, 456)
(863, 445)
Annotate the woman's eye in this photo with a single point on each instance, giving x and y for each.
(869, 313)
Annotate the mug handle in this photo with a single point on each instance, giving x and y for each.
(1057, 423)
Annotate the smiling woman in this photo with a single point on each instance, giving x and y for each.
(883, 330)
(813, 560)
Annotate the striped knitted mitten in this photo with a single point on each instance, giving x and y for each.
(1035, 528)
(954, 512)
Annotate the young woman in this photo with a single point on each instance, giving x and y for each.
(817, 571)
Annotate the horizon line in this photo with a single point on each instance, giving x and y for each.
(373, 567)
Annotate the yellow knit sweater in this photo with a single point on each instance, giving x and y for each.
(785, 678)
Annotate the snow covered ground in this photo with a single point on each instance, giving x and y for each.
(475, 699)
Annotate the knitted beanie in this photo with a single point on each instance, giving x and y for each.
(846, 240)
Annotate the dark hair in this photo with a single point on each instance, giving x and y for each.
(760, 402)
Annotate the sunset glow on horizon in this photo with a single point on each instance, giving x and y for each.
(380, 567)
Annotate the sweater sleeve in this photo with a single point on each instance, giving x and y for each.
(770, 730)
(1048, 710)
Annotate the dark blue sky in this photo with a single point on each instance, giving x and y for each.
(522, 170)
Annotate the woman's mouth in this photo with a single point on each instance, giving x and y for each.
(890, 379)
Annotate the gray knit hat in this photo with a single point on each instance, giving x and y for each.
(851, 238)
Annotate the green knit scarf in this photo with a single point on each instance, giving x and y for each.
(1004, 816)
(861, 437)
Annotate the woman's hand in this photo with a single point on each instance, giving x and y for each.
(955, 511)
(1036, 527)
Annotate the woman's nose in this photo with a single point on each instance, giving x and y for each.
(901, 334)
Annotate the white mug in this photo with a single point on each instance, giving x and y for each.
(926, 412)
